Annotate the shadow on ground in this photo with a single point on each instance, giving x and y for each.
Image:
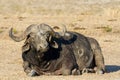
(112, 68)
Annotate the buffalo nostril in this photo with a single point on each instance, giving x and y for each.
(40, 47)
(46, 45)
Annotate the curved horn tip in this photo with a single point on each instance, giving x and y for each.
(64, 29)
(10, 31)
(16, 38)
(12, 28)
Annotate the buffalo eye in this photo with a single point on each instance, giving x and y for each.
(32, 39)
(47, 35)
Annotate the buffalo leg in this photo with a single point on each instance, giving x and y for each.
(76, 71)
(67, 67)
(98, 57)
(88, 70)
(28, 69)
(99, 61)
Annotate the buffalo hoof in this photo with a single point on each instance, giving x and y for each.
(76, 72)
(32, 73)
(85, 70)
(99, 72)
(88, 70)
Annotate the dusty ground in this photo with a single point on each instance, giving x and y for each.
(100, 21)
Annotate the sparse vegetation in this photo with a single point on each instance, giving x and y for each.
(6, 17)
(21, 18)
(112, 20)
(1, 31)
(79, 28)
(108, 41)
(3, 28)
(116, 31)
(15, 31)
(105, 28)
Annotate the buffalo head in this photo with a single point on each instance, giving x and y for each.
(38, 37)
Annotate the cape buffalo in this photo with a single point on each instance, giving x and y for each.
(48, 52)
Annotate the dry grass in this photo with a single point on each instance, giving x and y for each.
(101, 21)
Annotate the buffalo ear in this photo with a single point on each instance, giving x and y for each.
(54, 44)
(25, 47)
